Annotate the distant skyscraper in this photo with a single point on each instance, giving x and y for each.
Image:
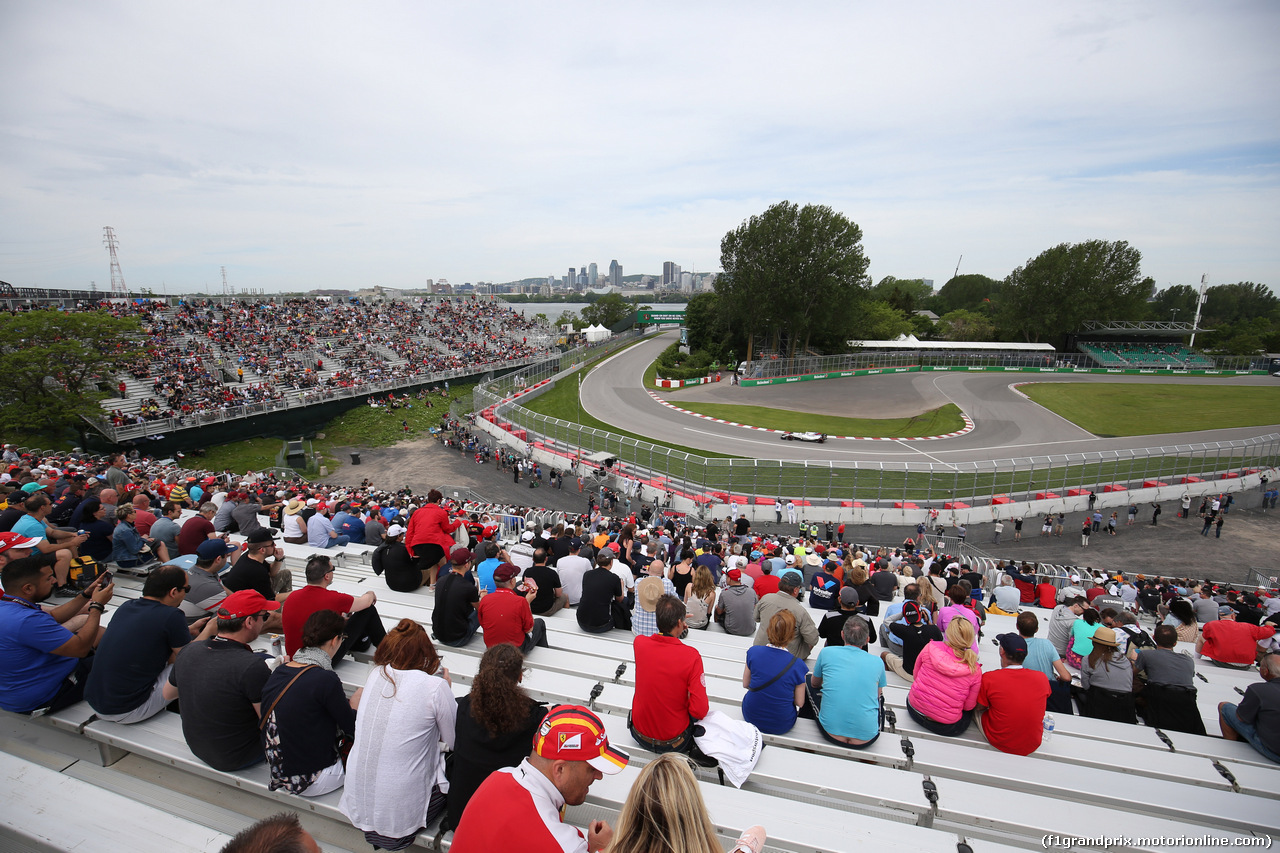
(615, 273)
(670, 273)
(593, 275)
(571, 280)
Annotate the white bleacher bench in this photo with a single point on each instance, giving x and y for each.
(47, 810)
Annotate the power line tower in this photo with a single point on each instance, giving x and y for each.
(118, 287)
(224, 282)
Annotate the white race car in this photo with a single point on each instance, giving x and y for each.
(818, 437)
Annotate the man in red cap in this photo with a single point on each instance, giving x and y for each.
(505, 616)
(220, 681)
(570, 751)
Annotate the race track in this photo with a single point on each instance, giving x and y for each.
(1006, 424)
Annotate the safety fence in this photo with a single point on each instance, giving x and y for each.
(902, 485)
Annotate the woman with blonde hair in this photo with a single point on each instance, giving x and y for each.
(700, 598)
(665, 811)
(774, 678)
(928, 598)
(406, 710)
(947, 678)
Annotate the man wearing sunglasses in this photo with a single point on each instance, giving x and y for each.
(129, 681)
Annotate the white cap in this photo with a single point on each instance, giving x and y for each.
(313, 502)
(527, 536)
(395, 530)
(1075, 579)
(791, 559)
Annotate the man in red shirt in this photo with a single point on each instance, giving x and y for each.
(767, 582)
(570, 751)
(1011, 700)
(364, 626)
(505, 616)
(1227, 642)
(671, 687)
(197, 529)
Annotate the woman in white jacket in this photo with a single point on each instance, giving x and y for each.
(406, 711)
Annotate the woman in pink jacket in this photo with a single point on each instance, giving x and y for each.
(947, 677)
(430, 535)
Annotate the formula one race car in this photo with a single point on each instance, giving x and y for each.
(819, 437)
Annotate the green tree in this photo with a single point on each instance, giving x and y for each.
(908, 295)
(1231, 303)
(708, 326)
(1056, 291)
(971, 292)
(50, 363)
(1174, 304)
(608, 311)
(963, 325)
(877, 320)
(567, 318)
(798, 271)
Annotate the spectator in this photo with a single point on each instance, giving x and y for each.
(393, 561)
(281, 833)
(363, 625)
(858, 578)
(664, 810)
(455, 620)
(824, 588)
(406, 711)
(1106, 681)
(735, 609)
(602, 599)
(550, 597)
(790, 587)
(1256, 719)
(644, 619)
(1082, 631)
(197, 529)
(700, 599)
(145, 518)
(53, 547)
(220, 681)
(166, 528)
(45, 664)
(1043, 657)
(350, 525)
(957, 608)
(1006, 598)
(207, 591)
(571, 566)
(1167, 691)
(1012, 700)
(1061, 621)
(496, 723)
(128, 549)
(223, 521)
(129, 681)
(774, 678)
(671, 691)
(251, 570)
(493, 556)
(505, 615)
(320, 532)
(430, 535)
(292, 524)
(831, 628)
(305, 709)
(570, 751)
(846, 690)
(1226, 642)
(94, 522)
(947, 678)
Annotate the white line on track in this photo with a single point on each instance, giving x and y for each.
(826, 449)
(922, 453)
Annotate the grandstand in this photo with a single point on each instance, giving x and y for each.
(1146, 355)
(210, 361)
(75, 782)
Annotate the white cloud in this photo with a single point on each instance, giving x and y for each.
(321, 144)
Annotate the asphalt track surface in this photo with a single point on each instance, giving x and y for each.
(1007, 425)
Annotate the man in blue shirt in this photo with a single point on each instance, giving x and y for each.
(846, 690)
(45, 665)
(494, 556)
(712, 561)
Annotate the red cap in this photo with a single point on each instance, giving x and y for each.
(573, 733)
(244, 603)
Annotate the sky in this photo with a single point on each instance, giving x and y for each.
(341, 145)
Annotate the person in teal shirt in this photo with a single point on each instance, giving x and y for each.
(846, 689)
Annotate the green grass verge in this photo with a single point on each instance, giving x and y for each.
(933, 422)
(1119, 409)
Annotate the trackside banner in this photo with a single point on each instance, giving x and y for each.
(916, 368)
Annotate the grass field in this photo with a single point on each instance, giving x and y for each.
(933, 422)
(1121, 409)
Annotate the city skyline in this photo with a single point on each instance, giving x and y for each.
(392, 144)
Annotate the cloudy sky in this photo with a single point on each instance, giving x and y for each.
(319, 144)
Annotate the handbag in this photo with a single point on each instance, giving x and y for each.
(262, 723)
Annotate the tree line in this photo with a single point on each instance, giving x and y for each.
(794, 281)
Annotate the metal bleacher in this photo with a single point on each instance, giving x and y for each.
(911, 790)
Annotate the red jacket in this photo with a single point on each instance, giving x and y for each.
(431, 524)
(670, 687)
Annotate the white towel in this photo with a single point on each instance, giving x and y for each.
(736, 744)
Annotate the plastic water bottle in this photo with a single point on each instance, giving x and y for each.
(1048, 727)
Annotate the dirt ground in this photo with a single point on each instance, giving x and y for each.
(1174, 547)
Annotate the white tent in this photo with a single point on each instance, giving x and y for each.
(597, 333)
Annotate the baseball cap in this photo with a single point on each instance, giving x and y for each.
(527, 536)
(849, 597)
(31, 488)
(459, 556)
(734, 574)
(755, 555)
(260, 535)
(244, 603)
(1075, 579)
(791, 559)
(1012, 643)
(573, 733)
(505, 572)
(8, 540)
(395, 530)
(911, 613)
(1223, 609)
(212, 549)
